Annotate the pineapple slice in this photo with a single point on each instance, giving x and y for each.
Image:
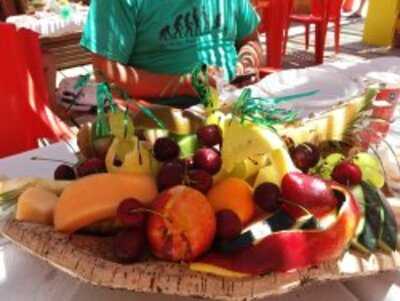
(320, 129)
(220, 119)
(306, 132)
(245, 140)
(337, 124)
(136, 157)
(267, 174)
(340, 119)
(249, 167)
(282, 163)
(330, 125)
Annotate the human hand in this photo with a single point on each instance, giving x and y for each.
(245, 76)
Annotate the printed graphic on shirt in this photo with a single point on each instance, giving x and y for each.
(192, 23)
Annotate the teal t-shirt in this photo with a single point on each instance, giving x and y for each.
(169, 36)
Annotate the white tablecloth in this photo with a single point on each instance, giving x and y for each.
(25, 278)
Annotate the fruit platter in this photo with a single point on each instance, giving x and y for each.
(237, 201)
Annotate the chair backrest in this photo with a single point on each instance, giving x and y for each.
(273, 11)
(25, 115)
(333, 6)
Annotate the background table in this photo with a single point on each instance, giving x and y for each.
(23, 277)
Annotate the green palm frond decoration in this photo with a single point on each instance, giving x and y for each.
(264, 111)
(208, 95)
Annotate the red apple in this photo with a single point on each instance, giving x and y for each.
(310, 192)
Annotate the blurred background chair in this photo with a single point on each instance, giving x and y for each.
(25, 115)
(322, 13)
(348, 5)
(275, 24)
(318, 10)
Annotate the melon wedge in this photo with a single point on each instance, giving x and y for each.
(36, 205)
(96, 198)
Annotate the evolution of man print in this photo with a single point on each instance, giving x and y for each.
(194, 22)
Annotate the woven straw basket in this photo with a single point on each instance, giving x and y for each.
(90, 260)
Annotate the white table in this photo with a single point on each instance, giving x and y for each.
(51, 24)
(23, 277)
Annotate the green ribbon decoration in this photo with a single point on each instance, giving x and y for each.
(66, 12)
(109, 98)
(263, 111)
(101, 126)
(146, 111)
(201, 85)
(82, 81)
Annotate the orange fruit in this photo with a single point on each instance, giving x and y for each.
(233, 194)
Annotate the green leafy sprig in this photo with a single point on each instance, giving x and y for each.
(200, 82)
(146, 111)
(264, 111)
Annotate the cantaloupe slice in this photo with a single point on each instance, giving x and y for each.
(96, 198)
(36, 205)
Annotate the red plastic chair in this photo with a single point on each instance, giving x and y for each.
(25, 116)
(275, 23)
(322, 12)
(348, 5)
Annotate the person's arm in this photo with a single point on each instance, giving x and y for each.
(140, 83)
(250, 55)
(110, 35)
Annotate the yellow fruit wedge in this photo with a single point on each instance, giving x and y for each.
(54, 186)
(300, 134)
(96, 198)
(136, 158)
(245, 140)
(337, 124)
(331, 125)
(282, 163)
(319, 128)
(249, 167)
(36, 205)
(267, 174)
(220, 119)
(212, 269)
